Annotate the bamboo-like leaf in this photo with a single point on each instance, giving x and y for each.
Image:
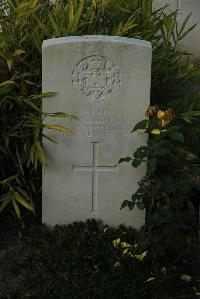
(9, 64)
(8, 82)
(30, 103)
(8, 180)
(57, 128)
(42, 95)
(18, 52)
(17, 210)
(70, 16)
(41, 154)
(94, 2)
(184, 24)
(78, 14)
(61, 115)
(23, 201)
(4, 203)
(55, 25)
(50, 139)
(186, 33)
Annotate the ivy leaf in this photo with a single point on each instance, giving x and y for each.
(124, 204)
(136, 163)
(152, 164)
(161, 152)
(122, 160)
(141, 125)
(177, 137)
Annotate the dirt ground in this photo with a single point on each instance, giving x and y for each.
(11, 256)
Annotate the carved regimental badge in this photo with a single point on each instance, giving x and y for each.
(96, 77)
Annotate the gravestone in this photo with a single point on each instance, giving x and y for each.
(105, 82)
(192, 41)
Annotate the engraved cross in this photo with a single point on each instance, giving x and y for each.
(95, 168)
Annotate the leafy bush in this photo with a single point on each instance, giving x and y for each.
(169, 191)
(90, 260)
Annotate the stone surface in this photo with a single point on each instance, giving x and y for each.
(192, 41)
(105, 82)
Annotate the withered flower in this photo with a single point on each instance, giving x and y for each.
(151, 111)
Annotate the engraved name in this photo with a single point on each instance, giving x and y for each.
(99, 123)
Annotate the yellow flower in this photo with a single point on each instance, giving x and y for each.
(164, 122)
(125, 245)
(151, 111)
(116, 243)
(160, 114)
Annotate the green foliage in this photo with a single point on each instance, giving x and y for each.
(90, 260)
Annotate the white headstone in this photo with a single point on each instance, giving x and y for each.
(105, 82)
(192, 41)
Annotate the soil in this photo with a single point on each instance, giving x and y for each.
(11, 256)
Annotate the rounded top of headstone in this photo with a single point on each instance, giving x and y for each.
(97, 38)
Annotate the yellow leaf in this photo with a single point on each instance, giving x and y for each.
(150, 279)
(94, 2)
(58, 128)
(185, 277)
(7, 82)
(117, 264)
(18, 52)
(140, 257)
(22, 201)
(116, 242)
(9, 64)
(17, 210)
(125, 245)
(125, 251)
(41, 153)
(130, 254)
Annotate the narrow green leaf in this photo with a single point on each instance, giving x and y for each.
(17, 210)
(23, 201)
(5, 203)
(136, 163)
